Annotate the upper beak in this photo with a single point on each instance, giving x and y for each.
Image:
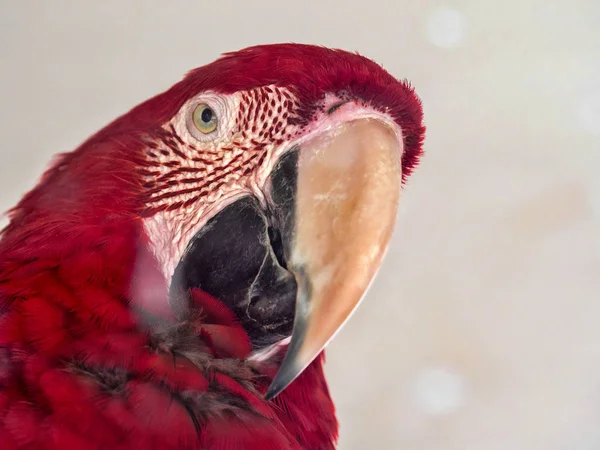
(347, 190)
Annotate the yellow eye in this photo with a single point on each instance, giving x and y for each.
(205, 119)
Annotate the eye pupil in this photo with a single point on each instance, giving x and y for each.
(206, 115)
(205, 118)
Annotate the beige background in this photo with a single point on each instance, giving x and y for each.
(482, 330)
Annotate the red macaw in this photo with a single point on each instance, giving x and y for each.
(172, 283)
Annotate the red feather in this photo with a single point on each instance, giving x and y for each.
(91, 354)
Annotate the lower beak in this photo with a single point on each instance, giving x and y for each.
(346, 199)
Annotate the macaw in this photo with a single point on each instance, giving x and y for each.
(172, 282)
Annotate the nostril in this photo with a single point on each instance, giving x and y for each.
(335, 107)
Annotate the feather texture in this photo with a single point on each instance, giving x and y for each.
(94, 353)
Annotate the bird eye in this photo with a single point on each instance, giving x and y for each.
(205, 118)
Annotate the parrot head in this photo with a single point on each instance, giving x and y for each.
(269, 179)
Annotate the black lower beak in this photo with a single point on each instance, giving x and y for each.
(239, 258)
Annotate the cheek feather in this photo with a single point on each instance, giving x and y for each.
(187, 180)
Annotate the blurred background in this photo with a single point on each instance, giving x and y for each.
(482, 330)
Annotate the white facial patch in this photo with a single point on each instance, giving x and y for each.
(192, 176)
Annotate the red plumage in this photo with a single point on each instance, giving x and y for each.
(79, 367)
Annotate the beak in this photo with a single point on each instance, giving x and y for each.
(347, 190)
